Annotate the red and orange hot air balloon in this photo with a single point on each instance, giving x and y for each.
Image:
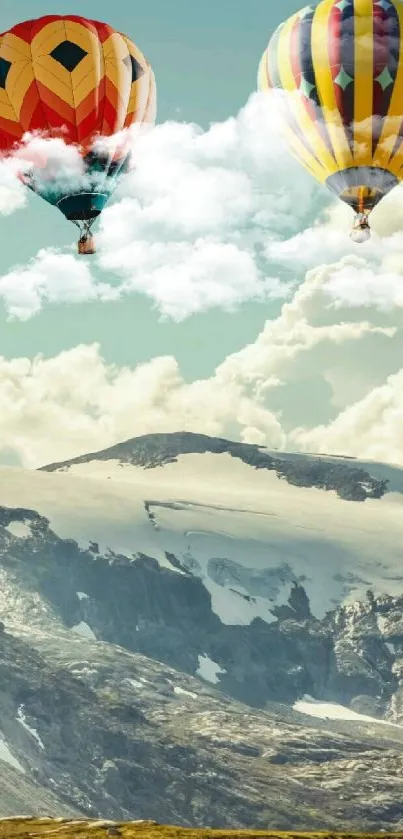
(80, 81)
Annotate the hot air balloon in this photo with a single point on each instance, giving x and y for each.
(336, 71)
(77, 80)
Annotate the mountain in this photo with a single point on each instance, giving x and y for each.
(182, 613)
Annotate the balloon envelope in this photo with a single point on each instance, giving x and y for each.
(75, 79)
(337, 70)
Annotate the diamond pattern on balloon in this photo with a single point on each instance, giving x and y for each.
(306, 87)
(68, 55)
(135, 66)
(384, 78)
(343, 79)
(4, 71)
(342, 4)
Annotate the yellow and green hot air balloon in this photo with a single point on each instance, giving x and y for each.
(336, 69)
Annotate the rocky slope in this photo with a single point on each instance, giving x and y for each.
(166, 613)
(354, 654)
(120, 736)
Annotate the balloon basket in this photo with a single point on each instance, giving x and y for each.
(361, 231)
(86, 247)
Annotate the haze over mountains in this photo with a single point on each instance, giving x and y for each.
(172, 607)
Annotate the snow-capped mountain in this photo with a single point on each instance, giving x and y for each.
(172, 605)
(248, 523)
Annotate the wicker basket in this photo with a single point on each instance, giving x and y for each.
(87, 246)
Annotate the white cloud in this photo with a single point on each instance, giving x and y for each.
(12, 193)
(316, 378)
(196, 210)
(190, 220)
(228, 187)
(56, 408)
(370, 428)
(311, 348)
(51, 156)
(51, 277)
(356, 284)
(183, 277)
(367, 275)
(211, 219)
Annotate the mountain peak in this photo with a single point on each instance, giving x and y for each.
(150, 450)
(349, 479)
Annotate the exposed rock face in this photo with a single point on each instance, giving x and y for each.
(354, 651)
(126, 694)
(125, 737)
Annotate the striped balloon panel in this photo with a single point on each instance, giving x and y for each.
(337, 70)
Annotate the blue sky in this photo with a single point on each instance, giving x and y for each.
(242, 307)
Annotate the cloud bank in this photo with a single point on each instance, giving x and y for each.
(206, 219)
(316, 378)
(212, 219)
(189, 222)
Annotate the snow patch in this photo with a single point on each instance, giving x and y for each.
(19, 529)
(82, 595)
(182, 692)
(8, 757)
(32, 731)
(84, 630)
(390, 647)
(134, 683)
(332, 711)
(208, 669)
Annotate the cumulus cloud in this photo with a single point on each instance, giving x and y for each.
(202, 204)
(355, 283)
(184, 277)
(315, 378)
(51, 277)
(12, 194)
(370, 428)
(211, 219)
(189, 223)
(328, 238)
(366, 275)
(49, 154)
(53, 408)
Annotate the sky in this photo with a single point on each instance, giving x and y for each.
(226, 296)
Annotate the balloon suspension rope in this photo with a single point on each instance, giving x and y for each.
(85, 228)
(361, 208)
(361, 231)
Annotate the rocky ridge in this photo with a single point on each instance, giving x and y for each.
(152, 450)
